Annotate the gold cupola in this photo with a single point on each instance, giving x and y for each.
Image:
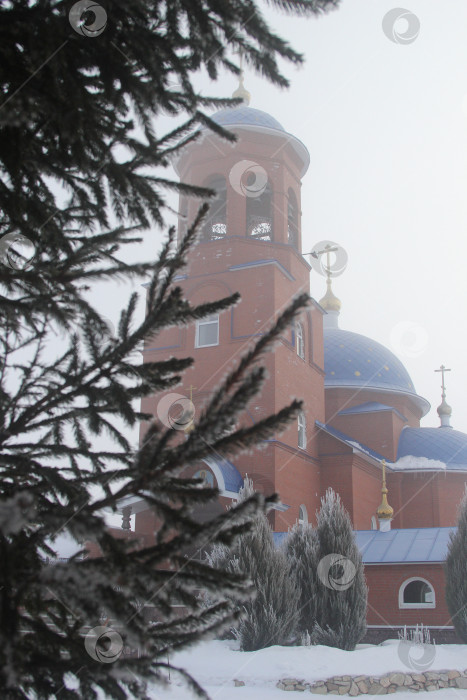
(241, 91)
(385, 512)
(330, 302)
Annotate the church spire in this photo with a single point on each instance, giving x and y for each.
(444, 409)
(241, 91)
(329, 302)
(385, 511)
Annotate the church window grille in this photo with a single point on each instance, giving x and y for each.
(301, 430)
(259, 220)
(302, 515)
(416, 593)
(215, 227)
(207, 331)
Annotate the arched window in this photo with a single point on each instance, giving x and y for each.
(292, 219)
(302, 515)
(215, 226)
(416, 593)
(259, 215)
(301, 430)
(374, 524)
(300, 341)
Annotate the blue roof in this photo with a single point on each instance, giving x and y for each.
(426, 544)
(229, 473)
(354, 444)
(232, 477)
(411, 545)
(443, 444)
(370, 407)
(351, 359)
(280, 538)
(246, 116)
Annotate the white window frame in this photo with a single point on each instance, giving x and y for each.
(374, 524)
(411, 606)
(301, 422)
(304, 519)
(300, 340)
(214, 318)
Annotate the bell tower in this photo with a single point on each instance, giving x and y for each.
(251, 243)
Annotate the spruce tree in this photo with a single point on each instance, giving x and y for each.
(54, 480)
(456, 573)
(302, 553)
(342, 592)
(79, 150)
(79, 145)
(271, 616)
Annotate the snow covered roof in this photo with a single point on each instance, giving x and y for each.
(445, 445)
(412, 462)
(426, 449)
(411, 545)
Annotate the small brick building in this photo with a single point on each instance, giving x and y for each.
(360, 405)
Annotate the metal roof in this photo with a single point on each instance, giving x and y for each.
(246, 116)
(425, 544)
(280, 538)
(443, 444)
(370, 407)
(411, 545)
(228, 477)
(353, 360)
(256, 120)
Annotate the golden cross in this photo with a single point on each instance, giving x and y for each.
(442, 369)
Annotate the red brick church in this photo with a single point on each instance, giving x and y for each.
(361, 409)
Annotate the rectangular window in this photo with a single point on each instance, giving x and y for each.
(207, 331)
(301, 431)
(300, 342)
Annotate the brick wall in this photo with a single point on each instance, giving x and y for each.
(384, 582)
(338, 399)
(380, 430)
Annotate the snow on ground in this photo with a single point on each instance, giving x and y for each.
(271, 693)
(216, 664)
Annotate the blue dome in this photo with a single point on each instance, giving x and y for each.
(443, 444)
(353, 360)
(246, 116)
